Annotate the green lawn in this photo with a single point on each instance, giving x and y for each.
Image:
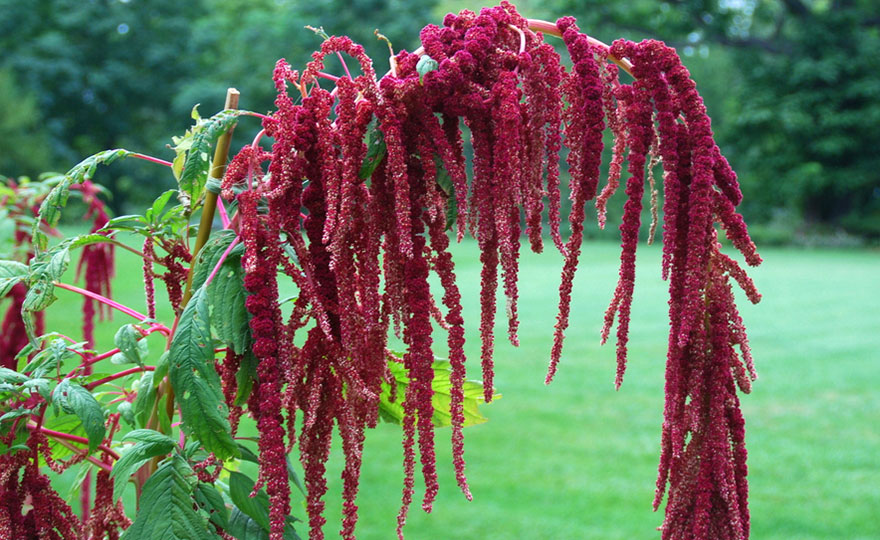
(577, 459)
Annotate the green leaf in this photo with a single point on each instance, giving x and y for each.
(256, 508)
(150, 444)
(194, 175)
(227, 297)
(146, 396)
(125, 411)
(9, 376)
(131, 344)
(56, 200)
(49, 358)
(11, 273)
(242, 527)
(425, 65)
(376, 150)
(245, 378)
(155, 212)
(211, 502)
(445, 183)
(126, 223)
(195, 381)
(75, 399)
(65, 423)
(166, 506)
(392, 411)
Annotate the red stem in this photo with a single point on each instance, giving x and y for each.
(73, 438)
(115, 305)
(94, 384)
(151, 159)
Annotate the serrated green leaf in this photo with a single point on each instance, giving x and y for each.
(166, 506)
(155, 211)
(126, 412)
(126, 223)
(75, 399)
(194, 175)
(242, 527)
(424, 65)
(131, 344)
(161, 369)
(146, 396)
(150, 444)
(392, 411)
(65, 423)
(17, 413)
(49, 358)
(211, 502)
(195, 381)
(9, 376)
(257, 507)
(11, 273)
(56, 200)
(245, 378)
(376, 150)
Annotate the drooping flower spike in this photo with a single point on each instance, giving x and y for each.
(360, 238)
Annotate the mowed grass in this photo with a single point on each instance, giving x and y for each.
(577, 459)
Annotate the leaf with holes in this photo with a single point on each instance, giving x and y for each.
(74, 399)
(166, 510)
(149, 444)
(195, 381)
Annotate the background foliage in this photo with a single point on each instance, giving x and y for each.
(792, 85)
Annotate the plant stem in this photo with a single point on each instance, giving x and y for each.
(151, 159)
(73, 438)
(221, 261)
(218, 168)
(115, 305)
(551, 29)
(125, 373)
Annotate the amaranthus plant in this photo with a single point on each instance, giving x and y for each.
(351, 206)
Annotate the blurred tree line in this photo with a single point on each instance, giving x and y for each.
(793, 86)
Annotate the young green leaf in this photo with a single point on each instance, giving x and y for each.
(150, 444)
(392, 411)
(146, 396)
(194, 175)
(425, 65)
(11, 273)
(195, 381)
(131, 344)
(376, 150)
(255, 508)
(211, 502)
(56, 200)
(166, 506)
(75, 399)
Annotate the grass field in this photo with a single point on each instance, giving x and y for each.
(577, 459)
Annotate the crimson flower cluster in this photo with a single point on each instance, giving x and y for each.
(360, 239)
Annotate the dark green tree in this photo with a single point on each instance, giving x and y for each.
(800, 119)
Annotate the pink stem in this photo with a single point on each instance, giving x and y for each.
(94, 384)
(73, 438)
(224, 217)
(344, 65)
(115, 305)
(254, 146)
(220, 262)
(328, 76)
(151, 159)
(257, 115)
